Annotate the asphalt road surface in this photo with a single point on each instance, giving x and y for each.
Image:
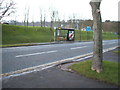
(16, 58)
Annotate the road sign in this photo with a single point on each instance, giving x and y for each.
(71, 35)
(88, 28)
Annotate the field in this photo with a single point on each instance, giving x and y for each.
(12, 34)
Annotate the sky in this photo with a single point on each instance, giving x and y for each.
(66, 9)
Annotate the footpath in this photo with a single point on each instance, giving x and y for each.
(58, 77)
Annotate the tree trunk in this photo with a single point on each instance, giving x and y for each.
(51, 30)
(97, 49)
(44, 21)
(41, 20)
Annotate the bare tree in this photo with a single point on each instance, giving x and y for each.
(73, 21)
(41, 23)
(70, 22)
(33, 24)
(44, 19)
(15, 21)
(97, 53)
(24, 18)
(53, 15)
(7, 7)
(28, 15)
(51, 24)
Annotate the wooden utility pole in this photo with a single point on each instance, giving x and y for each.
(97, 22)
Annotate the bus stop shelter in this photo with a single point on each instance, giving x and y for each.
(65, 34)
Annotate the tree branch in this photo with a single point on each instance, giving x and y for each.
(6, 8)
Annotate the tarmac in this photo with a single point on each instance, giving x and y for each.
(58, 77)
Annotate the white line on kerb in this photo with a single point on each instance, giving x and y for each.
(78, 47)
(35, 54)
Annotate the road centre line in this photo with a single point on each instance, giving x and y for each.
(78, 47)
(35, 54)
(109, 43)
(112, 43)
(44, 52)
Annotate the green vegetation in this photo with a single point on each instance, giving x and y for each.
(83, 35)
(12, 34)
(20, 34)
(109, 73)
(109, 35)
(117, 52)
(88, 35)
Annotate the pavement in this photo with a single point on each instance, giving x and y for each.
(58, 77)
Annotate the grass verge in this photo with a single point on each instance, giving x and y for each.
(108, 75)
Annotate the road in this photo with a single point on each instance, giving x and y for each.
(16, 58)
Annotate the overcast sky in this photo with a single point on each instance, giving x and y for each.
(66, 9)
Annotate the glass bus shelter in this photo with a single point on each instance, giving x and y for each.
(65, 34)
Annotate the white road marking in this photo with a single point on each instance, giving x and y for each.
(17, 48)
(112, 43)
(51, 51)
(27, 72)
(109, 43)
(78, 47)
(35, 54)
(83, 58)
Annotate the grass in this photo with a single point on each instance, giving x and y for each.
(15, 45)
(117, 52)
(108, 75)
(19, 34)
(12, 35)
(88, 35)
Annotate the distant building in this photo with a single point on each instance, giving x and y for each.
(83, 29)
